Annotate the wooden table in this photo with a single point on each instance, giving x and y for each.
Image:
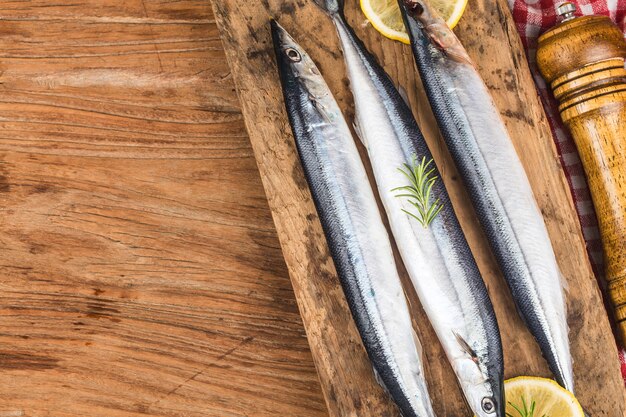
(140, 273)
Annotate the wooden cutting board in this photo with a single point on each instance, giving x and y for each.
(487, 30)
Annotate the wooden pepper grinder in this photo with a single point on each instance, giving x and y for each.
(582, 58)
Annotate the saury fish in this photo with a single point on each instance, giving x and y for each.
(436, 254)
(356, 235)
(499, 188)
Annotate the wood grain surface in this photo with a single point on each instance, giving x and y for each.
(488, 32)
(140, 273)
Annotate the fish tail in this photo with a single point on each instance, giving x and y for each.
(332, 7)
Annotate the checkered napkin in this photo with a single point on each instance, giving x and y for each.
(532, 18)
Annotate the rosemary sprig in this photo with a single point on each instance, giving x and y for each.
(525, 412)
(418, 191)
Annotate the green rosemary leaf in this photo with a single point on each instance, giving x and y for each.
(524, 411)
(406, 187)
(408, 172)
(525, 407)
(433, 211)
(412, 215)
(522, 414)
(439, 207)
(429, 187)
(418, 192)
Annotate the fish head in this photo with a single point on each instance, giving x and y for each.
(423, 22)
(295, 65)
(300, 76)
(482, 387)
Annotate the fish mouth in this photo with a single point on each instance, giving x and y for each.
(276, 27)
(286, 48)
(500, 399)
(282, 39)
(418, 11)
(278, 34)
(411, 10)
(414, 8)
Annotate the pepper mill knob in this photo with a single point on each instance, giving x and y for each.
(566, 11)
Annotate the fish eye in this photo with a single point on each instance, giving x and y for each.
(293, 54)
(488, 405)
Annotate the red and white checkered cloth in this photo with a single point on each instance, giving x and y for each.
(532, 18)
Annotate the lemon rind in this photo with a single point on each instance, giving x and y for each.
(381, 27)
(565, 394)
(396, 35)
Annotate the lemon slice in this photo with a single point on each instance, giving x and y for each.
(537, 397)
(385, 15)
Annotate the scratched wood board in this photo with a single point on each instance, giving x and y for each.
(488, 32)
(140, 272)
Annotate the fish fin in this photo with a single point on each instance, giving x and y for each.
(466, 347)
(564, 283)
(418, 344)
(323, 111)
(416, 338)
(566, 293)
(404, 96)
(359, 132)
(380, 381)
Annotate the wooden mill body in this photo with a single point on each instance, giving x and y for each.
(583, 60)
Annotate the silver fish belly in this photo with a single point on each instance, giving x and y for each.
(437, 257)
(356, 235)
(499, 188)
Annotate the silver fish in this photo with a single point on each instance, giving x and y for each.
(437, 257)
(484, 154)
(356, 235)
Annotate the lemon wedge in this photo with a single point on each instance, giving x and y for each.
(385, 15)
(537, 397)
